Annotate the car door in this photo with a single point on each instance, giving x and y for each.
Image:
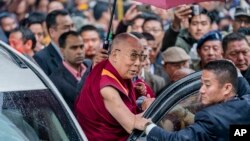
(31, 108)
(176, 101)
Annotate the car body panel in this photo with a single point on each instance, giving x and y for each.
(21, 76)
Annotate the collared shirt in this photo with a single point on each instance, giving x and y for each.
(77, 74)
(57, 49)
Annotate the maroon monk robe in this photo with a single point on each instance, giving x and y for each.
(95, 120)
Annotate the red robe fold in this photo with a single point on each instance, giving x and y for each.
(96, 122)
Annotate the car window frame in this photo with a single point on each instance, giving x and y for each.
(168, 99)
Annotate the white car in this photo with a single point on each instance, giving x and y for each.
(31, 108)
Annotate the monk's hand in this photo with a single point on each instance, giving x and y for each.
(140, 122)
(101, 55)
(146, 103)
(140, 89)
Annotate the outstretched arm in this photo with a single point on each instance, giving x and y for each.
(117, 108)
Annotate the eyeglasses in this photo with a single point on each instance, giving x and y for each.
(134, 56)
(242, 20)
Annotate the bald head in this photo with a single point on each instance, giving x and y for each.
(125, 40)
(180, 73)
(126, 55)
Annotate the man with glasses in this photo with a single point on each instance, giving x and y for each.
(154, 26)
(109, 93)
(49, 58)
(236, 48)
(241, 18)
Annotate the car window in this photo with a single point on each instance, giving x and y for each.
(38, 115)
(182, 114)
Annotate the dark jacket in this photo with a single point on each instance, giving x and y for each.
(48, 59)
(211, 123)
(66, 83)
(246, 74)
(181, 39)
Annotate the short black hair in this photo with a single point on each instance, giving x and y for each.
(203, 11)
(225, 72)
(138, 35)
(51, 17)
(88, 27)
(6, 15)
(99, 8)
(27, 34)
(152, 18)
(141, 16)
(148, 36)
(35, 18)
(235, 36)
(62, 39)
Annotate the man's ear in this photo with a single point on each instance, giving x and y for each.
(28, 44)
(227, 89)
(114, 55)
(51, 32)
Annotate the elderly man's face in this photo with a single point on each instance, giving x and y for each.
(129, 59)
(199, 26)
(239, 53)
(210, 50)
(211, 91)
(241, 21)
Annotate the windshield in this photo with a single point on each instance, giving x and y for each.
(35, 115)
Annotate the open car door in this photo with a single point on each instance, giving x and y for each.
(183, 93)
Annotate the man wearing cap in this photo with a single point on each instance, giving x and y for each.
(174, 59)
(209, 48)
(241, 18)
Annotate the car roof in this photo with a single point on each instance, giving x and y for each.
(16, 78)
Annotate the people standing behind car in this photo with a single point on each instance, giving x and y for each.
(218, 94)
(245, 31)
(35, 23)
(131, 22)
(199, 25)
(23, 40)
(209, 48)
(91, 40)
(154, 26)
(180, 73)
(8, 22)
(49, 58)
(155, 68)
(67, 76)
(236, 48)
(241, 18)
(152, 82)
(175, 58)
(109, 93)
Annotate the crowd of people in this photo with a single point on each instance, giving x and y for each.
(151, 49)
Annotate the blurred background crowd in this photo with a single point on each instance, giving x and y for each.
(177, 41)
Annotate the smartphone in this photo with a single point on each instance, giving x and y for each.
(144, 8)
(195, 9)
